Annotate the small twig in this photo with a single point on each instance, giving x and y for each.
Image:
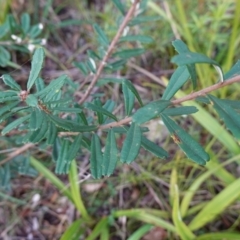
(17, 152)
(110, 50)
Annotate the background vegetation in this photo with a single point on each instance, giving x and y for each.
(145, 199)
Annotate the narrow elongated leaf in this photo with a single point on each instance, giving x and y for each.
(96, 157)
(119, 64)
(153, 148)
(39, 83)
(128, 99)
(216, 206)
(8, 96)
(40, 133)
(54, 86)
(74, 148)
(66, 109)
(128, 53)
(110, 155)
(179, 77)
(8, 108)
(150, 111)
(235, 104)
(109, 106)
(103, 81)
(8, 80)
(193, 74)
(230, 117)
(82, 66)
(134, 38)
(99, 109)
(131, 145)
(62, 157)
(143, 19)
(191, 148)
(120, 6)
(134, 90)
(186, 58)
(102, 36)
(180, 46)
(234, 71)
(36, 119)
(14, 124)
(184, 110)
(70, 125)
(229, 235)
(36, 67)
(25, 22)
(181, 227)
(52, 133)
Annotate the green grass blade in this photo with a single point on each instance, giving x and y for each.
(51, 177)
(216, 206)
(102, 224)
(74, 231)
(220, 236)
(139, 233)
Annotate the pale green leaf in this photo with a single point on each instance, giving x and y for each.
(128, 53)
(120, 6)
(233, 72)
(9, 81)
(150, 111)
(36, 67)
(36, 119)
(134, 38)
(101, 35)
(184, 110)
(216, 206)
(62, 157)
(179, 77)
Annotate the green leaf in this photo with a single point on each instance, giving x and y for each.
(66, 109)
(40, 133)
(8, 96)
(82, 66)
(96, 157)
(117, 65)
(193, 74)
(74, 148)
(37, 63)
(100, 116)
(25, 22)
(75, 229)
(31, 101)
(36, 119)
(191, 148)
(102, 36)
(8, 108)
(52, 133)
(4, 56)
(110, 155)
(184, 110)
(104, 81)
(99, 109)
(39, 83)
(129, 99)
(143, 19)
(54, 86)
(180, 46)
(120, 6)
(233, 72)
(153, 148)
(91, 65)
(179, 77)
(186, 58)
(141, 232)
(8, 80)
(128, 53)
(216, 206)
(235, 104)
(219, 236)
(135, 38)
(62, 157)
(230, 117)
(109, 106)
(150, 111)
(131, 144)
(35, 30)
(134, 91)
(70, 125)
(14, 124)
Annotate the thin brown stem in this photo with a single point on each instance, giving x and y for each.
(17, 152)
(110, 50)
